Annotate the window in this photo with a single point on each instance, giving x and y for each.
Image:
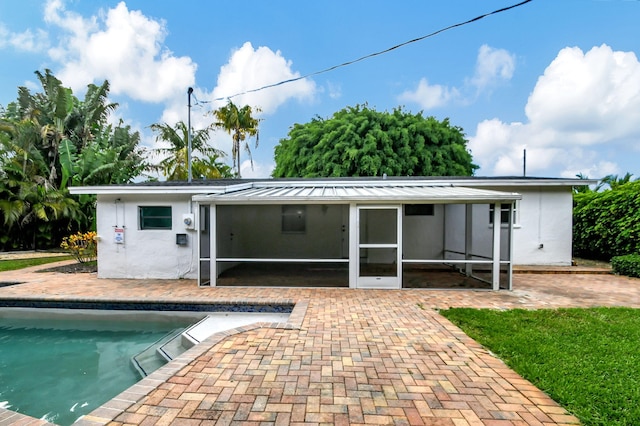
(418, 209)
(504, 213)
(294, 219)
(155, 217)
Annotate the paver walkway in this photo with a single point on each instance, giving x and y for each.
(353, 357)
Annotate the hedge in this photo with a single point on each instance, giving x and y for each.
(607, 223)
(628, 265)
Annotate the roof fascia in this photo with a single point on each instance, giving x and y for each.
(124, 190)
(527, 182)
(361, 200)
(429, 182)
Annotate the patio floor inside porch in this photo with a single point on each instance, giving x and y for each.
(278, 274)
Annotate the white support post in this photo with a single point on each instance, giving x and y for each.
(400, 249)
(354, 253)
(468, 238)
(495, 274)
(213, 233)
(510, 266)
(444, 229)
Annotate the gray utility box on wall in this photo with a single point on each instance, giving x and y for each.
(181, 239)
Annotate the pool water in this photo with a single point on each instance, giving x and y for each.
(58, 370)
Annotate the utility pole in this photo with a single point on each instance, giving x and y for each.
(190, 177)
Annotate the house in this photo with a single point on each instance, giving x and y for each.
(373, 230)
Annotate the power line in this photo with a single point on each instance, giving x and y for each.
(371, 55)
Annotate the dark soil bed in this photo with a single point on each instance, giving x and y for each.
(74, 268)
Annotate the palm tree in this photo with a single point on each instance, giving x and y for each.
(36, 132)
(60, 116)
(210, 168)
(615, 182)
(174, 165)
(239, 123)
(29, 201)
(88, 117)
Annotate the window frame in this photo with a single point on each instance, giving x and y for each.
(504, 213)
(292, 216)
(143, 218)
(423, 209)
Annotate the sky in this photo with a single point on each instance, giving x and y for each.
(557, 78)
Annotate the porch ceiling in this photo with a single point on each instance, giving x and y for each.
(329, 193)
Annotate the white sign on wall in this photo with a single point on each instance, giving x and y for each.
(118, 236)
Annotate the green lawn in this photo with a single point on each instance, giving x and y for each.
(10, 265)
(588, 360)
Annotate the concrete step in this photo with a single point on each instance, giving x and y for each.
(222, 321)
(178, 341)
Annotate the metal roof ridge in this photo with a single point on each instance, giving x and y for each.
(347, 183)
(238, 187)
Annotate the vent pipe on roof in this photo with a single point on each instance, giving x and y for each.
(524, 163)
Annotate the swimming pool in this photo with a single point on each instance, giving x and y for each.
(59, 364)
(59, 369)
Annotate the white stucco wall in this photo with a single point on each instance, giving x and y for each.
(542, 230)
(422, 235)
(543, 235)
(454, 230)
(145, 253)
(482, 235)
(482, 243)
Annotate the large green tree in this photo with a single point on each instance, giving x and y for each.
(204, 159)
(360, 141)
(50, 140)
(239, 123)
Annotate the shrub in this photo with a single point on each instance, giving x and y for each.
(82, 246)
(628, 265)
(607, 223)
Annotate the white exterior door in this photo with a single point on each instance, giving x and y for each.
(379, 241)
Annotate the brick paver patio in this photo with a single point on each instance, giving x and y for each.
(345, 357)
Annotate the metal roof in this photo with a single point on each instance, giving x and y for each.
(326, 193)
(227, 185)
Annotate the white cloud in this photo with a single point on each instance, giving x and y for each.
(592, 97)
(492, 67)
(122, 46)
(597, 169)
(584, 108)
(259, 170)
(335, 90)
(430, 96)
(250, 68)
(26, 41)
(247, 69)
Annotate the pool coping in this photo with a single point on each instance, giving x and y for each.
(111, 409)
(8, 417)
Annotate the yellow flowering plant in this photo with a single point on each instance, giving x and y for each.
(82, 246)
